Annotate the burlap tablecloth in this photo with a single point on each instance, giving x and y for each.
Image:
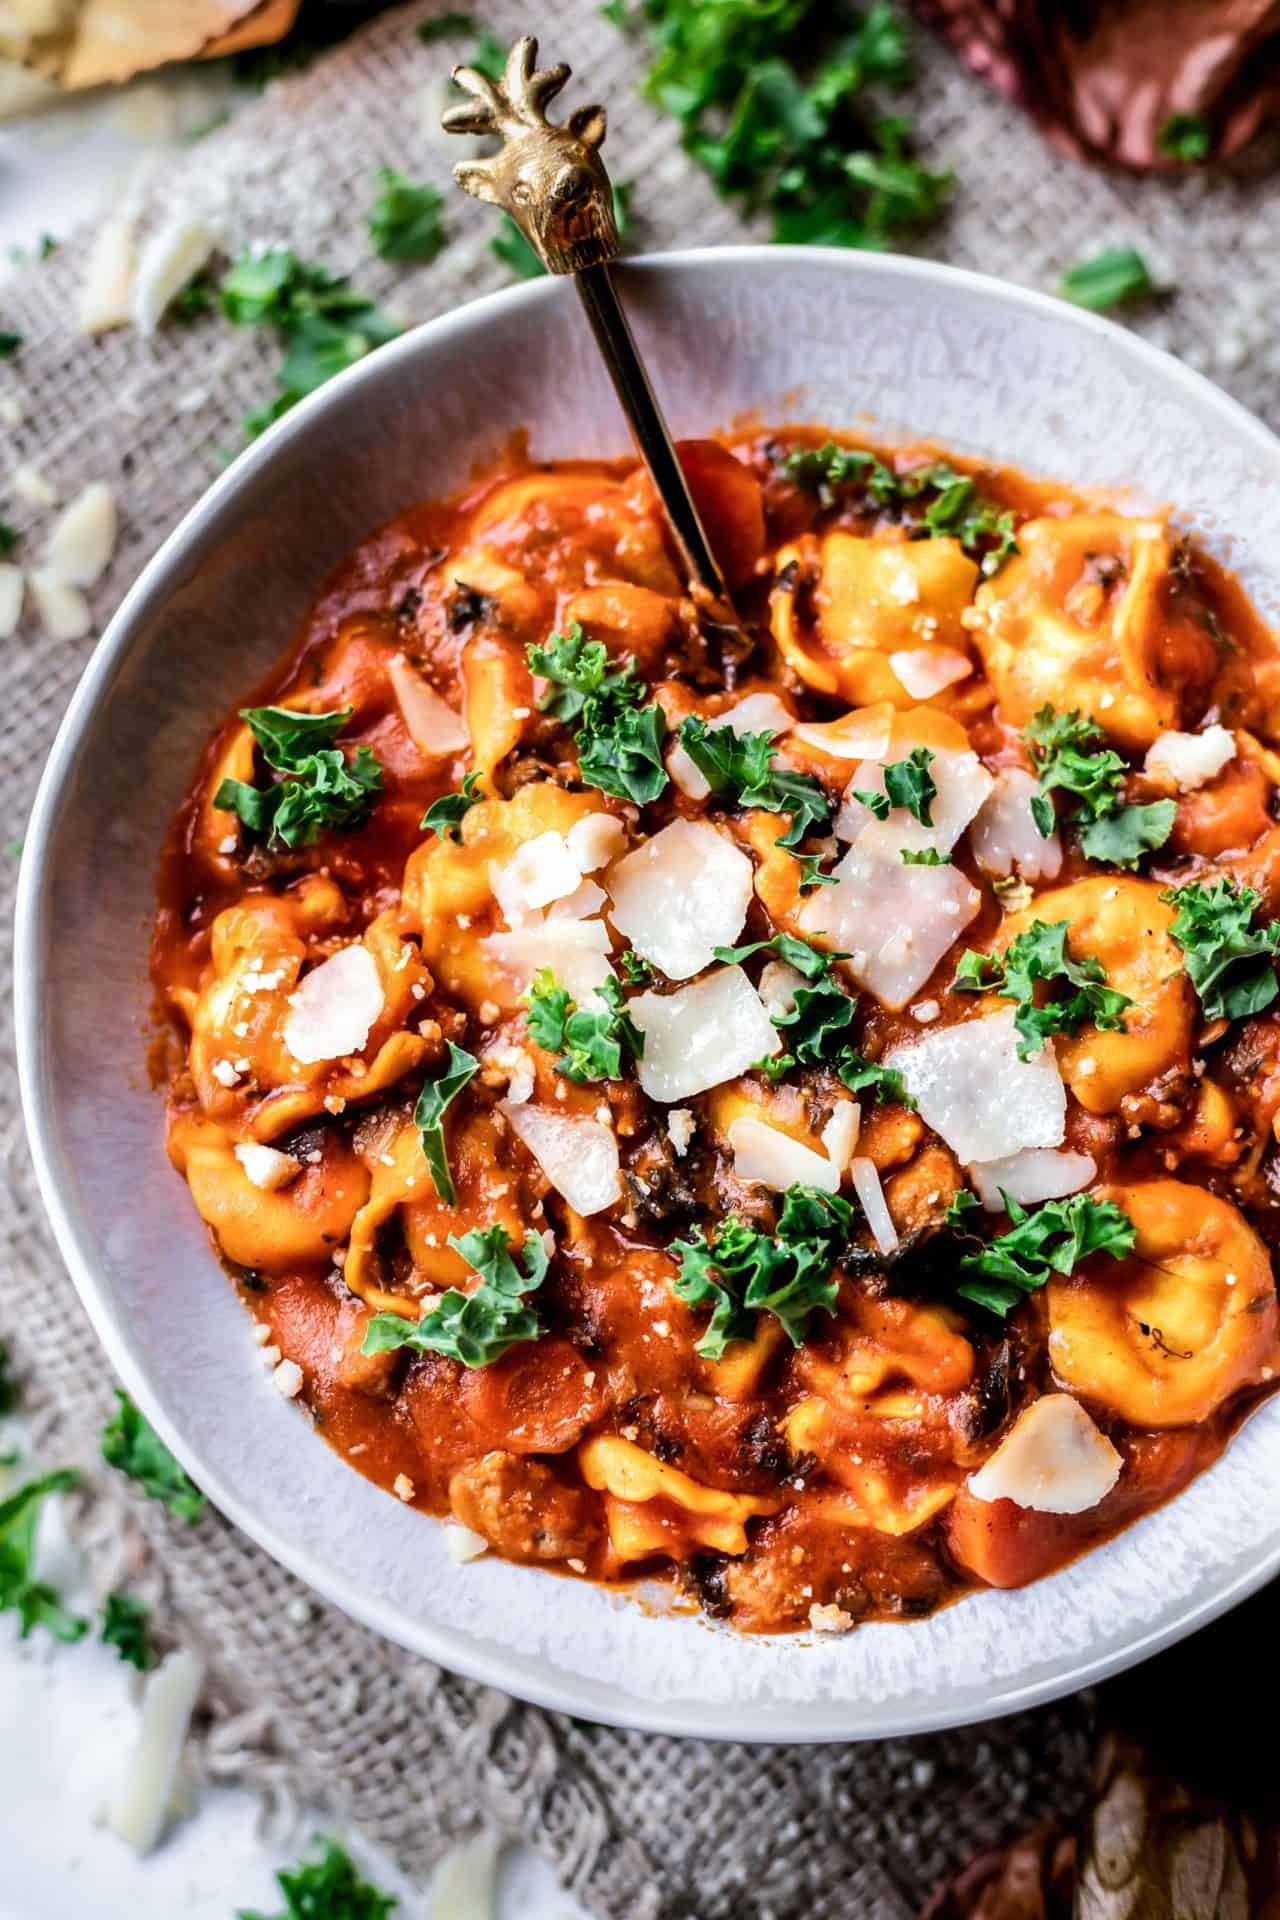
(641, 1827)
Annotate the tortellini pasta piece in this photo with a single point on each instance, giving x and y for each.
(869, 598)
(630, 1478)
(1081, 617)
(1165, 1336)
(1124, 924)
(889, 1496)
(307, 1220)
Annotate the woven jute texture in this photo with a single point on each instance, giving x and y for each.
(643, 1828)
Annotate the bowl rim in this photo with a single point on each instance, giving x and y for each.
(499, 1667)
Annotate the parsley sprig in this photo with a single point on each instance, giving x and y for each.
(324, 323)
(34, 1601)
(1039, 956)
(955, 510)
(740, 767)
(476, 1328)
(1065, 753)
(328, 1887)
(321, 787)
(1229, 961)
(816, 1027)
(124, 1627)
(406, 221)
(771, 101)
(595, 1036)
(1107, 279)
(744, 1271)
(428, 1115)
(131, 1444)
(1053, 1238)
(446, 815)
(907, 783)
(618, 733)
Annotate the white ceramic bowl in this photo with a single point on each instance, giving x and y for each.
(899, 346)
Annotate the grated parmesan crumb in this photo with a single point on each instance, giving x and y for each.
(288, 1379)
(403, 1488)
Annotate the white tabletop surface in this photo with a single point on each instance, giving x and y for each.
(67, 1714)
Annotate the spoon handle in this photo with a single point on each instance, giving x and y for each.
(552, 182)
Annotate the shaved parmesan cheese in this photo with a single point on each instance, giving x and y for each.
(680, 895)
(578, 1156)
(973, 1090)
(1188, 760)
(925, 671)
(840, 1135)
(586, 899)
(779, 983)
(575, 950)
(595, 840)
(866, 1184)
(463, 1543)
(140, 1810)
(107, 287)
(681, 1124)
(464, 1885)
(63, 610)
(758, 713)
(334, 1007)
(771, 1158)
(431, 723)
(12, 588)
(267, 1167)
(81, 545)
(28, 484)
(170, 261)
(1053, 1459)
(1005, 837)
(1035, 1174)
(863, 734)
(540, 871)
(701, 1035)
(962, 783)
(895, 921)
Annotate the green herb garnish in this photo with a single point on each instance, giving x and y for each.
(1108, 279)
(1185, 136)
(955, 512)
(476, 1328)
(618, 735)
(743, 1271)
(443, 24)
(1066, 755)
(327, 1888)
(1039, 956)
(1053, 1238)
(131, 1444)
(1229, 961)
(321, 789)
(9, 344)
(638, 971)
(926, 857)
(325, 324)
(8, 539)
(406, 221)
(816, 1028)
(771, 102)
(446, 815)
(428, 1115)
(34, 1601)
(124, 1627)
(595, 1035)
(739, 767)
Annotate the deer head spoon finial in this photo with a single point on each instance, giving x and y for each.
(550, 179)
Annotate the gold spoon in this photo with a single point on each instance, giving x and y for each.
(553, 183)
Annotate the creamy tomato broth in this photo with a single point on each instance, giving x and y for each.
(795, 1107)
